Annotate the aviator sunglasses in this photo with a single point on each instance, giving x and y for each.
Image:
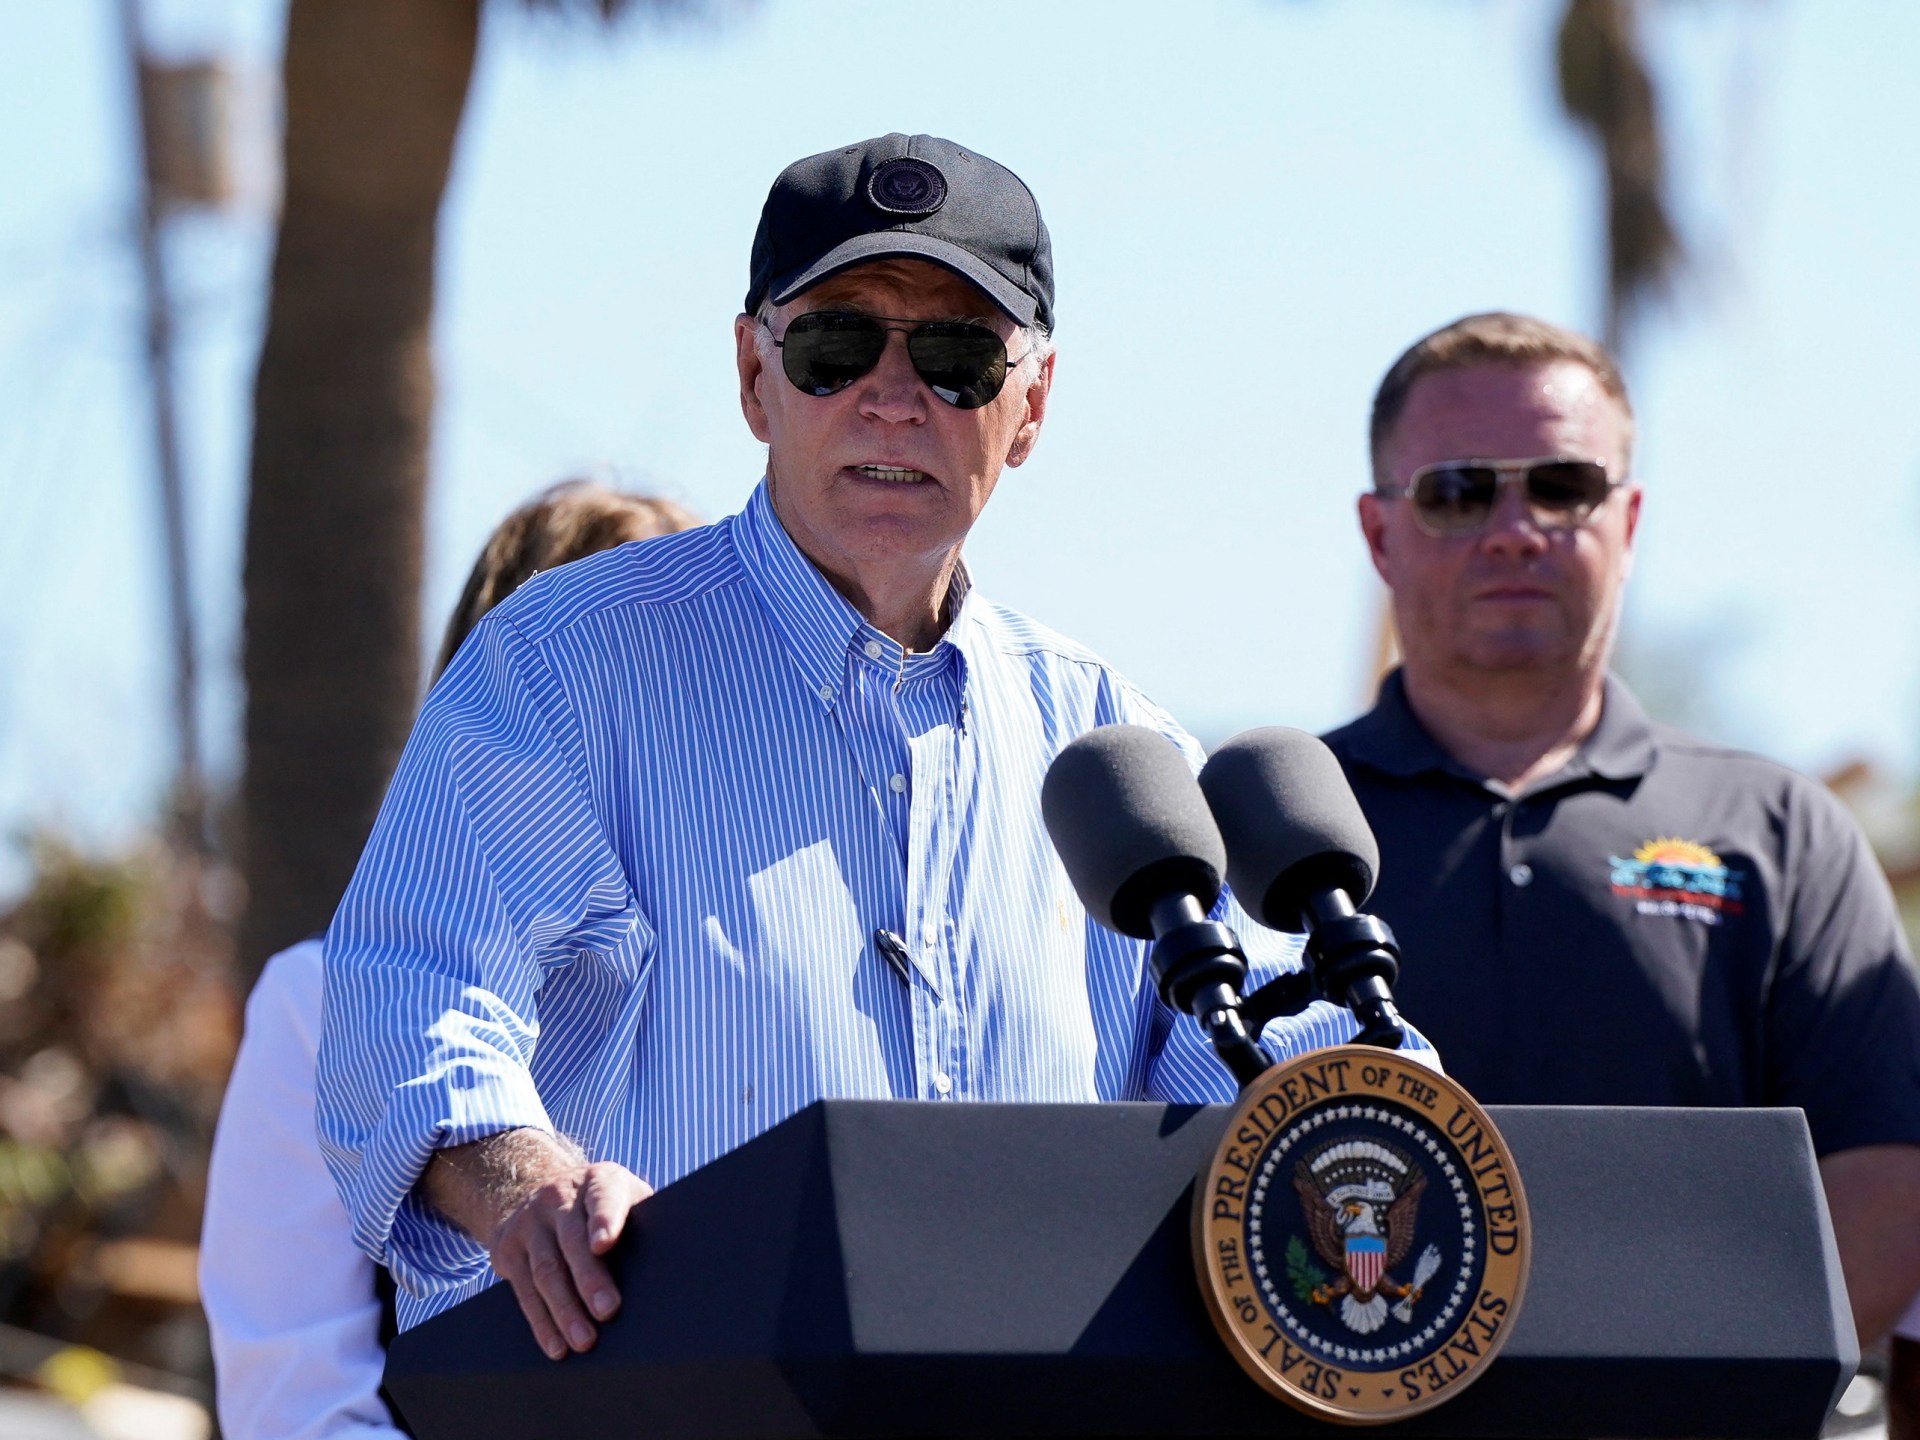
(825, 351)
(1456, 497)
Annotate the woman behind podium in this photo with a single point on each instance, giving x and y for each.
(297, 1323)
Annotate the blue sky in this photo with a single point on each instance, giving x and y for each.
(1255, 205)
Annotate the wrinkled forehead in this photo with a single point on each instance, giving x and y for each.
(1510, 412)
(904, 289)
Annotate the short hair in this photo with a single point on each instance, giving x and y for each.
(1497, 337)
(568, 521)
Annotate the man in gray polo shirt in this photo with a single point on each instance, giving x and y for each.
(1597, 909)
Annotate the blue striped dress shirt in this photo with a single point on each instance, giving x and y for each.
(626, 882)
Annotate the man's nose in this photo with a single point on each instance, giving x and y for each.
(1511, 528)
(893, 389)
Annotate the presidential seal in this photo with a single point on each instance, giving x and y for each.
(1361, 1235)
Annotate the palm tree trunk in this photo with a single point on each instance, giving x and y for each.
(1606, 86)
(343, 409)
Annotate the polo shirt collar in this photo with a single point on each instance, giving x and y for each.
(1390, 738)
(1621, 746)
(816, 622)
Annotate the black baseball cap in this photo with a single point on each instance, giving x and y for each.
(914, 196)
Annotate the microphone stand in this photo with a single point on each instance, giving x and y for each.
(1352, 959)
(1199, 967)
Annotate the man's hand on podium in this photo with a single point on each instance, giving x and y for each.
(546, 1216)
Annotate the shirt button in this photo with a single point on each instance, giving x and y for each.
(873, 649)
(898, 784)
(826, 693)
(930, 933)
(1521, 874)
(942, 1083)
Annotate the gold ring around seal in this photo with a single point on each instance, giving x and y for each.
(1361, 1235)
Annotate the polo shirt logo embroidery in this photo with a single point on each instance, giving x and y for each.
(1678, 878)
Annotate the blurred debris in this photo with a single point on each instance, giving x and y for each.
(25, 1415)
(188, 112)
(129, 1412)
(143, 1268)
(210, 128)
(76, 1373)
(118, 1021)
(1888, 810)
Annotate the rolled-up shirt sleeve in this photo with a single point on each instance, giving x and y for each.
(487, 866)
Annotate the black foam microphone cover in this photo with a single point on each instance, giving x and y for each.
(1291, 825)
(1131, 826)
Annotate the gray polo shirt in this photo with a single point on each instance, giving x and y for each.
(1664, 922)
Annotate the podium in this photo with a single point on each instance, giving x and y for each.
(897, 1268)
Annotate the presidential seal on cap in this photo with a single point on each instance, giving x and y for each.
(914, 197)
(1361, 1236)
(906, 187)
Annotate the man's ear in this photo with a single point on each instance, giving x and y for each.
(746, 354)
(1038, 388)
(1634, 496)
(1373, 525)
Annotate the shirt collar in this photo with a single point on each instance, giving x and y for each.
(1391, 739)
(817, 623)
(1621, 746)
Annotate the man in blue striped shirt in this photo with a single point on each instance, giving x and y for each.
(693, 833)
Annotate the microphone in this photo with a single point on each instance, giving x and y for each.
(1302, 858)
(1146, 858)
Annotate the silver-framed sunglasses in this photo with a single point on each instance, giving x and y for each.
(1456, 497)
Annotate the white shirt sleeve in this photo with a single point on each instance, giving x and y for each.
(289, 1299)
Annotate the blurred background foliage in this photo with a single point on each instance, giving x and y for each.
(118, 1020)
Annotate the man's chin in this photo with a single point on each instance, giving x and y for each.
(1516, 651)
(922, 506)
(883, 538)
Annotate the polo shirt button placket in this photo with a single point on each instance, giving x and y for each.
(1519, 872)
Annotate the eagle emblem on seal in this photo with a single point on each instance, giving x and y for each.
(1361, 1199)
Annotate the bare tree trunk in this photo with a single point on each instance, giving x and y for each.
(343, 409)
